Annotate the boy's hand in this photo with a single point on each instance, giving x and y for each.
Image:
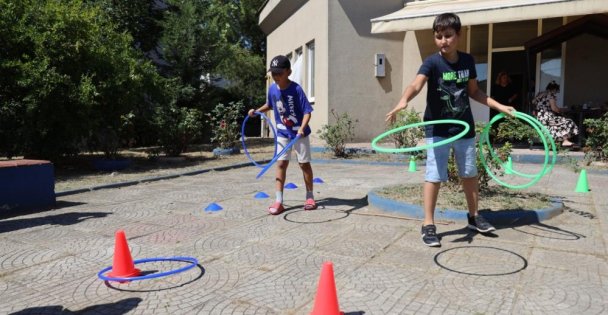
(251, 112)
(392, 115)
(507, 110)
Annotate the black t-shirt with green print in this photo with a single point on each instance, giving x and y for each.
(447, 96)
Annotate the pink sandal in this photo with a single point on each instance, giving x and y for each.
(276, 208)
(310, 204)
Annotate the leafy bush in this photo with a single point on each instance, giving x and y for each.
(411, 136)
(502, 152)
(178, 126)
(512, 129)
(337, 134)
(596, 144)
(225, 127)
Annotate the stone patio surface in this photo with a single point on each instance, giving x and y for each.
(254, 263)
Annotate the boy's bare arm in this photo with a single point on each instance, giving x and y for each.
(264, 108)
(305, 121)
(410, 92)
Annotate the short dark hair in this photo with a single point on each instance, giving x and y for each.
(445, 21)
(552, 86)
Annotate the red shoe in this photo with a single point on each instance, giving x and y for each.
(276, 208)
(310, 204)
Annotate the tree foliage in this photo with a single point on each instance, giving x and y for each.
(81, 75)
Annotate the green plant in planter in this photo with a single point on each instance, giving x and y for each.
(337, 134)
(513, 129)
(225, 124)
(502, 152)
(596, 143)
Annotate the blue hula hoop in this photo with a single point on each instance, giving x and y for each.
(193, 262)
(276, 157)
(274, 132)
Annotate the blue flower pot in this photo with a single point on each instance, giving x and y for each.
(223, 151)
(109, 165)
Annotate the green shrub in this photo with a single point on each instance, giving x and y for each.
(337, 134)
(502, 152)
(512, 129)
(178, 127)
(596, 144)
(411, 136)
(225, 127)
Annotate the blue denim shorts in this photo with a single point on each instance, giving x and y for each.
(465, 152)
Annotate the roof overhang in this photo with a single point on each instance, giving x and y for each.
(420, 15)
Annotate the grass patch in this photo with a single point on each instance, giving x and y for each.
(451, 197)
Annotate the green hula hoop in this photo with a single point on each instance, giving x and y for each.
(422, 147)
(541, 130)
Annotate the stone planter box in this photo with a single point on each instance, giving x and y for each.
(26, 185)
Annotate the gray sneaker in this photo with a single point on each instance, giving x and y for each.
(429, 235)
(479, 223)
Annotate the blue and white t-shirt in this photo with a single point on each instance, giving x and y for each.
(289, 105)
(447, 96)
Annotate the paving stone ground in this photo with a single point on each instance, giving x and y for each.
(254, 263)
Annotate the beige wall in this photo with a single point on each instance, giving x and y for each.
(308, 23)
(352, 84)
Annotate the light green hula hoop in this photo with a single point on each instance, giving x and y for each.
(542, 133)
(422, 147)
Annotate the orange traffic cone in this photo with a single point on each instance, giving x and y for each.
(123, 266)
(326, 302)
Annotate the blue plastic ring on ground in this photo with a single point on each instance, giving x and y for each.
(193, 262)
(274, 132)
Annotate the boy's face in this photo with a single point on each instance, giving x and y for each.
(282, 77)
(446, 40)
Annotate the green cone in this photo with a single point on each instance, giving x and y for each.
(582, 186)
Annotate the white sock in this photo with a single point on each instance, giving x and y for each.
(310, 195)
(279, 196)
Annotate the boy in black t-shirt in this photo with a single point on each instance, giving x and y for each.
(452, 80)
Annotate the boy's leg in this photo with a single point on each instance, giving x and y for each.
(465, 153)
(302, 149)
(277, 206)
(470, 186)
(431, 191)
(436, 172)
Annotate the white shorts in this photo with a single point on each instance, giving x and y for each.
(302, 148)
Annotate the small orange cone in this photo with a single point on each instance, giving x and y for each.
(123, 266)
(326, 302)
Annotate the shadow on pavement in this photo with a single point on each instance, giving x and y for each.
(58, 219)
(120, 307)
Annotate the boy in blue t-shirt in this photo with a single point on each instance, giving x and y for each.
(452, 81)
(292, 113)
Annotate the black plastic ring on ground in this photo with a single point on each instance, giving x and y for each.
(503, 217)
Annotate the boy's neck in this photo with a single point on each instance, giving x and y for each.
(284, 85)
(451, 57)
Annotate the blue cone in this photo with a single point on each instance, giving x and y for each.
(213, 207)
(261, 195)
(291, 186)
(317, 180)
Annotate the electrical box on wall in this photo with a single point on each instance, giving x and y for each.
(379, 64)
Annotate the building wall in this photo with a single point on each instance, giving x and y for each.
(308, 23)
(352, 84)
